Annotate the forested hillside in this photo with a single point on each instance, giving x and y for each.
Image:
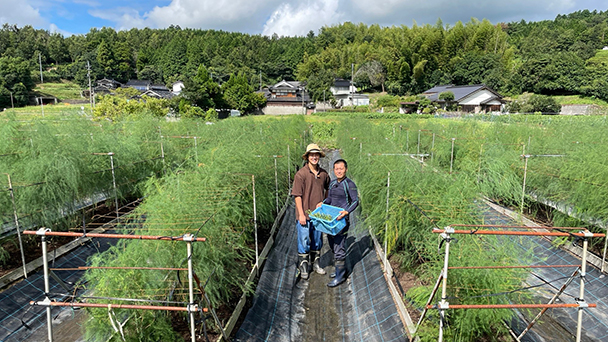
(548, 57)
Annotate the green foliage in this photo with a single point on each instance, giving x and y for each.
(215, 183)
(238, 94)
(446, 96)
(118, 107)
(202, 91)
(445, 199)
(60, 90)
(387, 101)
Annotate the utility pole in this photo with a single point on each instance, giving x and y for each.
(90, 89)
(40, 63)
(12, 103)
(352, 84)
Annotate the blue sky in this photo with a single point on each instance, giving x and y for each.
(288, 17)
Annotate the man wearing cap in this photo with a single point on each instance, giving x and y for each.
(309, 189)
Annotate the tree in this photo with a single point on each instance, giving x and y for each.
(202, 91)
(238, 94)
(105, 59)
(15, 77)
(372, 71)
(541, 104)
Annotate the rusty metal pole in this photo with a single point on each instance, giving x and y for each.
(16, 218)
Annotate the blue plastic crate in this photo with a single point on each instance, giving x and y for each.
(332, 227)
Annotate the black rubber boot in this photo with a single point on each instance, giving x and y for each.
(316, 255)
(340, 274)
(303, 266)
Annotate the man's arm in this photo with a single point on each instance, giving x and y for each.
(300, 210)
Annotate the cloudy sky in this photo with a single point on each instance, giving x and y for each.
(273, 16)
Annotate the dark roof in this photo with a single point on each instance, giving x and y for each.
(138, 83)
(160, 94)
(460, 92)
(340, 82)
(158, 87)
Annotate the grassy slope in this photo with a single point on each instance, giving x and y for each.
(64, 90)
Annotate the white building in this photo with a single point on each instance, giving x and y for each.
(471, 98)
(345, 94)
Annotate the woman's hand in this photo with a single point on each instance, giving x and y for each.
(342, 214)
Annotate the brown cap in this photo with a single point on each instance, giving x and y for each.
(312, 148)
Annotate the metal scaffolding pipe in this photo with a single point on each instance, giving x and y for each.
(188, 239)
(513, 306)
(581, 292)
(115, 306)
(16, 218)
(47, 289)
(111, 236)
(506, 226)
(84, 268)
(493, 232)
(501, 267)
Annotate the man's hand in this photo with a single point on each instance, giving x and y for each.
(319, 204)
(302, 220)
(342, 214)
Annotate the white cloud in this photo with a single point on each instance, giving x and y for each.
(233, 15)
(20, 13)
(124, 17)
(54, 29)
(289, 20)
(297, 17)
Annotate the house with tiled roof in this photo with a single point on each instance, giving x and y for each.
(286, 97)
(470, 98)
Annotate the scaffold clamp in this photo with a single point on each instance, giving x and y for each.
(587, 233)
(189, 238)
(192, 308)
(443, 305)
(42, 231)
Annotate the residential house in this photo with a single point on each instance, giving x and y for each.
(471, 98)
(108, 83)
(286, 97)
(158, 91)
(141, 85)
(345, 94)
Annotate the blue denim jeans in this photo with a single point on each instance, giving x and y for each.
(309, 239)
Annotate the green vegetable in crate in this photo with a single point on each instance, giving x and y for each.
(321, 216)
